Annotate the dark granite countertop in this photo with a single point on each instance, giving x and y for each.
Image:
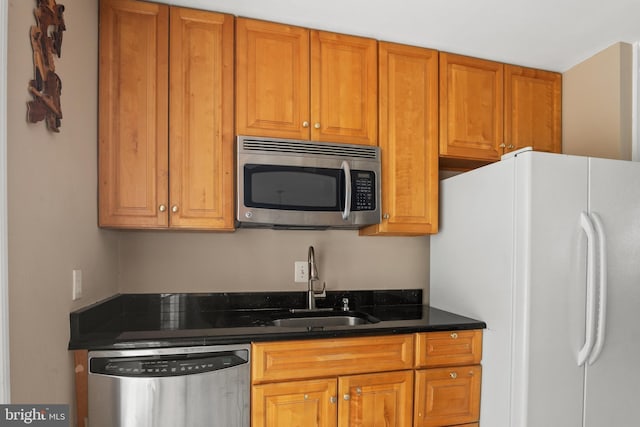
(170, 320)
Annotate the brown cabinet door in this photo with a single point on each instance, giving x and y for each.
(447, 396)
(344, 79)
(310, 403)
(376, 400)
(408, 136)
(272, 86)
(471, 108)
(133, 114)
(201, 120)
(532, 109)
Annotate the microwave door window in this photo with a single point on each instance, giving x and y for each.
(292, 188)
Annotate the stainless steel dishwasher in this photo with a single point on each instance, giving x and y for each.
(170, 387)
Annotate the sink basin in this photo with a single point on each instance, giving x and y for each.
(324, 319)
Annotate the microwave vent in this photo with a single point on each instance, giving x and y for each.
(291, 146)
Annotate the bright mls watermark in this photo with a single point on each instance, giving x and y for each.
(34, 415)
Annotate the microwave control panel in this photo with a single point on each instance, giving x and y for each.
(364, 188)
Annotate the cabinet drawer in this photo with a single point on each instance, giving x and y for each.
(286, 360)
(447, 396)
(448, 348)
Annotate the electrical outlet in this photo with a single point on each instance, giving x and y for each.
(77, 285)
(301, 271)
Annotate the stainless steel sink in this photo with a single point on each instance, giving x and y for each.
(324, 319)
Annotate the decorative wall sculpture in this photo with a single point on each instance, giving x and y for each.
(46, 86)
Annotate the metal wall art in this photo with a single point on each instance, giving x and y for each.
(46, 86)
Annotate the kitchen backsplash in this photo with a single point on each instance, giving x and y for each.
(263, 260)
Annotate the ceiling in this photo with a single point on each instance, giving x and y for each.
(548, 34)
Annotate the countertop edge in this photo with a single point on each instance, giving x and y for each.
(103, 343)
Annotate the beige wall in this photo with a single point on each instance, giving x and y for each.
(597, 96)
(262, 260)
(52, 207)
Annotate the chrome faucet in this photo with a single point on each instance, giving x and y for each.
(312, 294)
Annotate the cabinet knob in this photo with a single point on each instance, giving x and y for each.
(503, 145)
(454, 335)
(306, 397)
(174, 208)
(511, 146)
(317, 125)
(386, 216)
(333, 399)
(305, 124)
(346, 397)
(162, 208)
(358, 391)
(453, 375)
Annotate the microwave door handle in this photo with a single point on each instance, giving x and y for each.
(347, 187)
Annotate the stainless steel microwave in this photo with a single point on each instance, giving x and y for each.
(284, 183)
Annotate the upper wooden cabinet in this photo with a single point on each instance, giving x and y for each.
(344, 94)
(488, 109)
(133, 113)
(165, 164)
(292, 82)
(532, 109)
(272, 79)
(408, 136)
(471, 103)
(201, 138)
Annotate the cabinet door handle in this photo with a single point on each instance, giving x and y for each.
(162, 208)
(333, 399)
(317, 125)
(174, 208)
(453, 375)
(358, 391)
(346, 397)
(454, 335)
(305, 124)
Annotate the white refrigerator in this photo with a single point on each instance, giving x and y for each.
(545, 248)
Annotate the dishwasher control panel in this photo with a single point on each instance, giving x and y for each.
(166, 366)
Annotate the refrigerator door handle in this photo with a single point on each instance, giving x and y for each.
(602, 289)
(587, 226)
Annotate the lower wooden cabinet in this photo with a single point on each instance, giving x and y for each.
(369, 400)
(447, 396)
(376, 400)
(295, 403)
(428, 379)
(448, 378)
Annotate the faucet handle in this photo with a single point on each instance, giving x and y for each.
(322, 293)
(345, 304)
